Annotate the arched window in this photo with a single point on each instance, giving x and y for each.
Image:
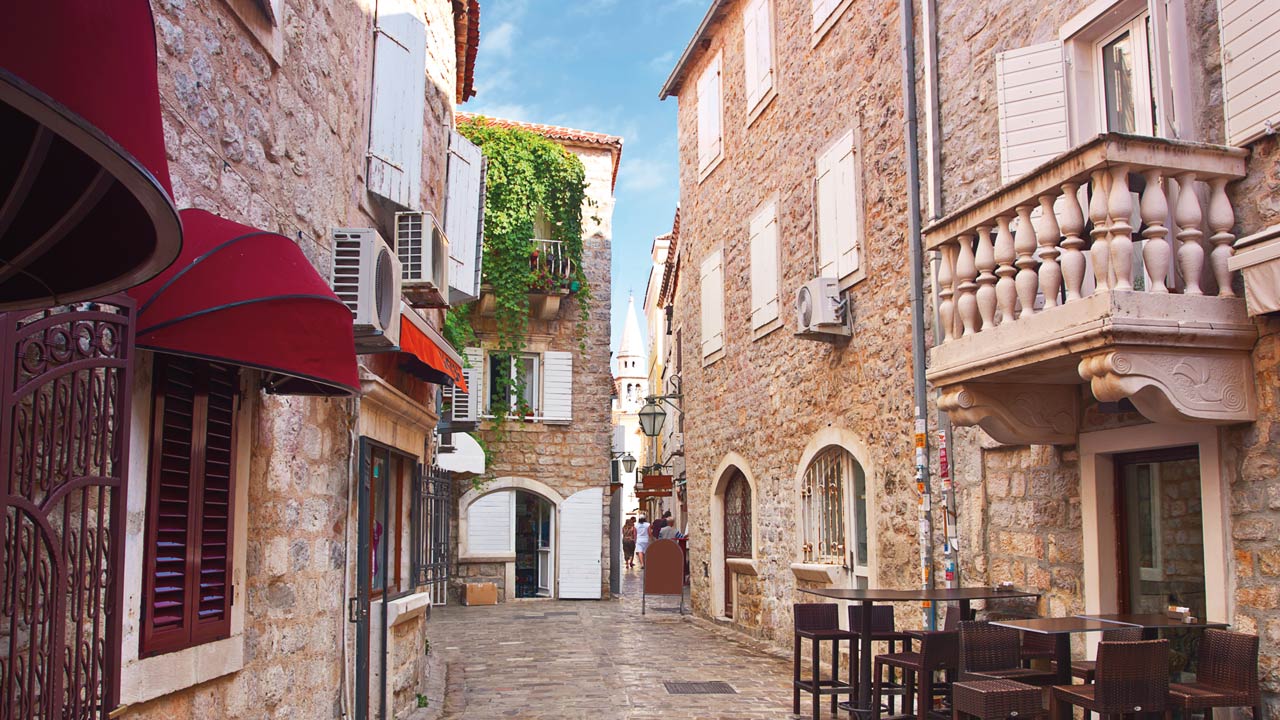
(828, 481)
(737, 517)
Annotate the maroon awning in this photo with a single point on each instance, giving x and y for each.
(249, 297)
(85, 206)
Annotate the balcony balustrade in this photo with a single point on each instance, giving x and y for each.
(1107, 265)
(553, 270)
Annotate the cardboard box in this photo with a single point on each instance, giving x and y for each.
(480, 594)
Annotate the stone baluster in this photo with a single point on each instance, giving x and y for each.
(1072, 222)
(966, 273)
(1047, 237)
(1188, 216)
(1154, 208)
(1100, 250)
(1006, 292)
(1024, 244)
(1221, 219)
(985, 261)
(1119, 211)
(946, 306)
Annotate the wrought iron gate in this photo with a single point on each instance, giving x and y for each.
(430, 523)
(65, 381)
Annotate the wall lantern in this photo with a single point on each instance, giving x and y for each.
(652, 415)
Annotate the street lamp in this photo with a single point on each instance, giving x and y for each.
(628, 462)
(651, 417)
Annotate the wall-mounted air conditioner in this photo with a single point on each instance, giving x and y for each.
(820, 310)
(424, 259)
(366, 277)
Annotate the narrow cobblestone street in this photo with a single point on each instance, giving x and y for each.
(574, 660)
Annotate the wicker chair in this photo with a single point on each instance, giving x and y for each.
(1084, 670)
(1131, 678)
(1226, 677)
(991, 652)
(818, 623)
(882, 630)
(939, 650)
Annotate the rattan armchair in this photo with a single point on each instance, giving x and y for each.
(1227, 676)
(819, 623)
(1131, 678)
(991, 652)
(1084, 670)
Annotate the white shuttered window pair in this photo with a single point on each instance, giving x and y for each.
(464, 217)
(764, 267)
(553, 380)
(399, 102)
(710, 131)
(757, 28)
(839, 210)
(1031, 90)
(1250, 68)
(712, 291)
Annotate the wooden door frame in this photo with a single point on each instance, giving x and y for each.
(1124, 573)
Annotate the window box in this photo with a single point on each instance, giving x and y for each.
(1258, 259)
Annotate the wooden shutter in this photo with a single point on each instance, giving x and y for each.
(822, 10)
(464, 218)
(491, 524)
(191, 505)
(1031, 91)
(712, 286)
(557, 386)
(466, 405)
(399, 104)
(839, 227)
(757, 29)
(710, 143)
(581, 543)
(764, 267)
(1250, 34)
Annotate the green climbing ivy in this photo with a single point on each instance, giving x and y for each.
(527, 174)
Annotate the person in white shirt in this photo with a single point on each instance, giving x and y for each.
(642, 540)
(668, 532)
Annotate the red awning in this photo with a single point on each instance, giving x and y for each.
(250, 297)
(426, 353)
(85, 206)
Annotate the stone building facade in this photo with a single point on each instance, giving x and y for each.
(555, 468)
(266, 116)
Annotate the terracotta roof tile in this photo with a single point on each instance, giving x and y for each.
(559, 134)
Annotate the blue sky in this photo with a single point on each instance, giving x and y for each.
(597, 65)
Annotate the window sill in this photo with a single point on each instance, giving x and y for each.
(764, 102)
(407, 607)
(707, 360)
(825, 26)
(816, 572)
(154, 677)
(499, 558)
(742, 566)
(854, 277)
(766, 328)
(704, 173)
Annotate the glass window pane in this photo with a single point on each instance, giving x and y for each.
(860, 511)
(530, 371)
(377, 508)
(1117, 82)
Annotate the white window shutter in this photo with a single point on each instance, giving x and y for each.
(464, 218)
(399, 102)
(581, 544)
(764, 267)
(848, 208)
(1250, 33)
(757, 44)
(557, 386)
(466, 405)
(828, 200)
(822, 10)
(490, 528)
(1031, 91)
(712, 286)
(709, 125)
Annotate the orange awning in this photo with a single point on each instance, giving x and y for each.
(426, 352)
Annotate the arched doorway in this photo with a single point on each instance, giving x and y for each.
(534, 544)
(737, 530)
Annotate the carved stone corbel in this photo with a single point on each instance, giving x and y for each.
(1174, 385)
(1015, 414)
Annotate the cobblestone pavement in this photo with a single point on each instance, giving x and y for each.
(579, 660)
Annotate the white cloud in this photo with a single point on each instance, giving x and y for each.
(664, 61)
(505, 111)
(499, 41)
(642, 174)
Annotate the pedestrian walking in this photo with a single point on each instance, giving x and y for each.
(629, 541)
(642, 540)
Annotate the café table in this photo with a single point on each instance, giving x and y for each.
(1061, 629)
(869, 596)
(1153, 623)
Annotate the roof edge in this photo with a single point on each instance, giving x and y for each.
(699, 36)
(562, 135)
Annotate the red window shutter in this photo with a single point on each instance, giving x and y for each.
(187, 570)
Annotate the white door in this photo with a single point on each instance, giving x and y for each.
(581, 530)
(546, 570)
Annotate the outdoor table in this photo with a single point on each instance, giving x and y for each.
(1153, 623)
(1061, 629)
(869, 596)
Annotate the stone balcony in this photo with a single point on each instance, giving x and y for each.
(1106, 266)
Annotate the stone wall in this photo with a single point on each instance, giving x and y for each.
(768, 399)
(281, 146)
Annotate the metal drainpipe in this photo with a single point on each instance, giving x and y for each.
(919, 391)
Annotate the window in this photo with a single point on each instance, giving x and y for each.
(712, 286)
(839, 213)
(389, 478)
(825, 505)
(710, 140)
(1124, 62)
(737, 517)
(547, 395)
(757, 41)
(190, 505)
(262, 18)
(764, 268)
(506, 373)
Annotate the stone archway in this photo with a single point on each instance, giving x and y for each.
(731, 465)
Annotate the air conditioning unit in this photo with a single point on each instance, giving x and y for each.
(366, 278)
(820, 309)
(424, 259)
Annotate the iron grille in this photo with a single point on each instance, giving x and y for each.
(823, 503)
(429, 526)
(714, 687)
(737, 517)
